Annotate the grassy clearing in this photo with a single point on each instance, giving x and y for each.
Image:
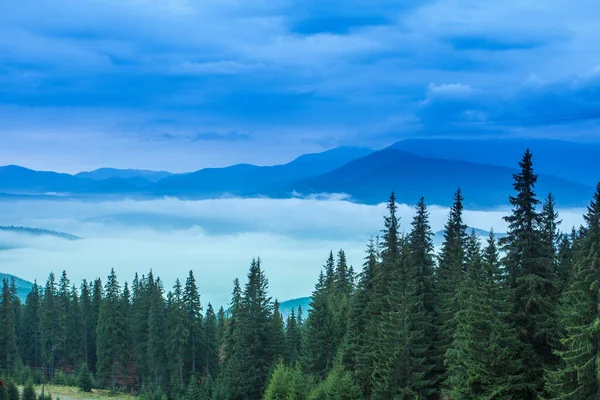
(73, 393)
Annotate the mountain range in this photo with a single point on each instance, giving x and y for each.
(433, 168)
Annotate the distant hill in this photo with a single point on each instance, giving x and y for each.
(23, 286)
(38, 232)
(578, 162)
(287, 306)
(131, 175)
(249, 180)
(370, 180)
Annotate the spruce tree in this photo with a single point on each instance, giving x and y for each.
(177, 338)
(355, 357)
(531, 274)
(579, 375)
(30, 349)
(251, 362)
(191, 299)
(293, 340)
(211, 343)
(49, 326)
(29, 392)
(278, 346)
(8, 341)
(450, 272)
(421, 330)
(482, 361)
(111, 333)
(318, 350)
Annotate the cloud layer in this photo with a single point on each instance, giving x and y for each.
(216, 239)
(108, 80)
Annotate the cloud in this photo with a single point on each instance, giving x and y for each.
(215, 238)
(321, 68)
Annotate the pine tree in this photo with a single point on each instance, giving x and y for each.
(30, 348)
(277, 334)
(293, 340)
(49, 327)
(356, 358)
(193, 391)
(84, 379)
(177, 338)
(191, 299)
(13, 390)
(579, 375)
(531, 274)
(29, 392)
(252, 362)
(211, 343)
(376, 363)
(8, 341)
(156, 334)
(482, 360)
(450, 273)
(111, 332)
(318, 350)
(97, 296)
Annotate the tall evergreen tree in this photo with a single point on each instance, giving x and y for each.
(318, 350)
(252, 362)
(177, 338)
(277, 333)
(482, 360)
(451, 265)
(111, 332)
(579, 375)
(531, 274)
(30, 339)
(421, 330)
(49, 327)
(293, 340)
(8, 340)
(211, 342)
(191, 299)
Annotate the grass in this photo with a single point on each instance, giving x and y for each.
(74, 393)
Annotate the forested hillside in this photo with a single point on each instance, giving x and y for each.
(513, 318)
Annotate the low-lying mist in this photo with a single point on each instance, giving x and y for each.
(215, 238)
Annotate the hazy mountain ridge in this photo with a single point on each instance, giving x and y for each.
(433, 168)
(38, 232)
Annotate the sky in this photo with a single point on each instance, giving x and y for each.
(180, 85)
(216, 239)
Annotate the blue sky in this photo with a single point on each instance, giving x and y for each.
(184, 84)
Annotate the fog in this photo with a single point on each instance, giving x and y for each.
(217, 239)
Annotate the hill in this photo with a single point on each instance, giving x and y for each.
(370, 180)
(287, 306)
(578, 162)
(23, 286)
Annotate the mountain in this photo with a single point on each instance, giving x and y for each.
(578, 162)
(370, 180)
(38, 232)
(246, 179)
(23, 286)
(19, 180)
(131, 175)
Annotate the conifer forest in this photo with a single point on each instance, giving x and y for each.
(513, 318)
